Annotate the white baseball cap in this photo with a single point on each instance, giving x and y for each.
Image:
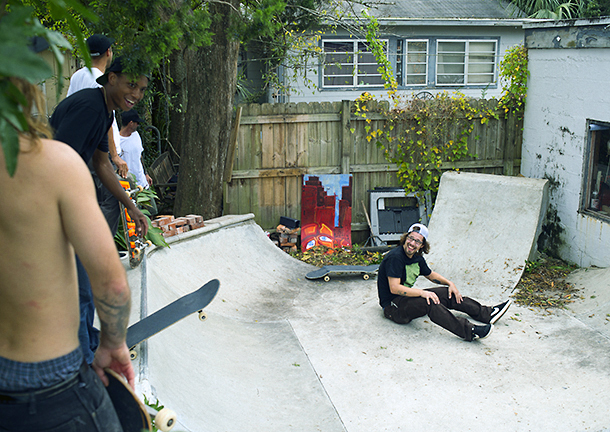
(419, 228)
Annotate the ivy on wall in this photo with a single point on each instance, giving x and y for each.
(420, 136)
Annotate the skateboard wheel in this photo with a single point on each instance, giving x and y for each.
(202, 316)
(133, 354)
(365, 276)
(149, 243)
(165, 419)
(326, 278)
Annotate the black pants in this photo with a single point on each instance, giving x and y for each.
(403, 310)
(79, 404)
(107, 202)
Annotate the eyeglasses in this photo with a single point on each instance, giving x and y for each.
(414, 240)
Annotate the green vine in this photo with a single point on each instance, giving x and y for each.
(514, 73)
(423, 138)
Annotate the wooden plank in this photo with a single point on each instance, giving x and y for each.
(232, 146)
(347, 141)
(279, 161)
(291, 118)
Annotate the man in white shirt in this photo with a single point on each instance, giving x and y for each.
(100, 48)
(131, 145)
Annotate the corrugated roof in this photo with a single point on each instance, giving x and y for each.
(446, 9)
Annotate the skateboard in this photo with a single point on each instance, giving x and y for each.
(324, 273)
(133, 414)
(171, 314)
(135, 243)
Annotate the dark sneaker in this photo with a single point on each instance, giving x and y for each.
(481, 332)
(499, 310)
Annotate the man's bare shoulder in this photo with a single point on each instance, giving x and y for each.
(51, 157)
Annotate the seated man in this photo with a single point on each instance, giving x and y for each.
(49, 212)
(402, 303)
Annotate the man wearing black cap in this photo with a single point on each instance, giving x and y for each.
(100, 48)
(82, 121)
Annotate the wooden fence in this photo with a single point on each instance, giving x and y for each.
(279, 143)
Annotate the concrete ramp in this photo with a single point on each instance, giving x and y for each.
(483, 229)
(243, 369)
(281, 353)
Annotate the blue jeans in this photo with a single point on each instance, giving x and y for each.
(88, 335)
(77, 404)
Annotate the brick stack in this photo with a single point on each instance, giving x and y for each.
(172, 226)
(289, 238)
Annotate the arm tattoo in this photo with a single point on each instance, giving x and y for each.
(113, 317)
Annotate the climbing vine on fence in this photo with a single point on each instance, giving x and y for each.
(425, 136)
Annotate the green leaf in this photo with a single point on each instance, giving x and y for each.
(155, 235)
(10, 146)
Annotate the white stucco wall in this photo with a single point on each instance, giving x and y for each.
(509, 36)
(567, 87)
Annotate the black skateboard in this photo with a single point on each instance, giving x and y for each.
(133, 414)
(324, 273)
(172, 313)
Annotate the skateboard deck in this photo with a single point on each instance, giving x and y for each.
(135, 243)
(324, 273)
(172, 313)
(133, 414)
(131, 411)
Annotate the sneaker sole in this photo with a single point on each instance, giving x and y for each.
(502, 312)
(491, 330)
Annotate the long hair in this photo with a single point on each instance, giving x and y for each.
(425, 247)
(34, 111)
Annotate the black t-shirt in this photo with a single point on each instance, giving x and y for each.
(398, 265)
(82, 121)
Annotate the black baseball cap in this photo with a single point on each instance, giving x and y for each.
(98, 44)
(116, 67)
(131, 116)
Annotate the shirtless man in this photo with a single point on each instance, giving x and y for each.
(49, 212)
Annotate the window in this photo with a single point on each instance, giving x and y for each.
(350, 64)
(462, 62)
(417, 62)
(597, 170)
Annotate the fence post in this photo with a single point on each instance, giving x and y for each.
(510, 142)
(347, 140)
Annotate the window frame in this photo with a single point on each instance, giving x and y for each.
(591, 168)
(356, 77)
(405, 68)
(467, 54)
